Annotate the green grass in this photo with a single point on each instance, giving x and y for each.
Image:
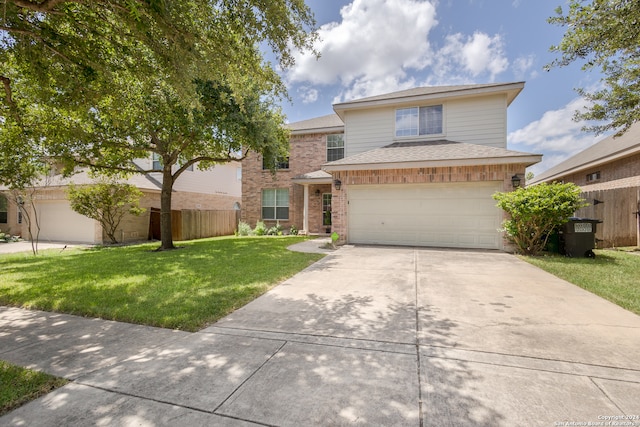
(19, 386)
(613, 275)
(188, 288)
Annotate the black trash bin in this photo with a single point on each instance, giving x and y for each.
(578, 237)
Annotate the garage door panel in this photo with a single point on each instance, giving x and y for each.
(445, 215)
(58, 222)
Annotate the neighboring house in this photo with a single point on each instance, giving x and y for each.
(608, 174)
(215, 189)
(416, 167)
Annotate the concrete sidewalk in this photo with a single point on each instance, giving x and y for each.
(370, 336)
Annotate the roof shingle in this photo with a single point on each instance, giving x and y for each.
(434, 152)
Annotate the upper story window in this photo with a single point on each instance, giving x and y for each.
(416, 121)
(156, 162)
(335, 147)
(281, 163)
(593, 176)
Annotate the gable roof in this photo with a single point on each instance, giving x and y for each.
(328, 123)
(428, 93)
(604, 151)
(420, 154)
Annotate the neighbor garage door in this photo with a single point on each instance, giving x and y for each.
(58, 222)
(456, 215)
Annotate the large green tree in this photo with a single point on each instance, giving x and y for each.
(605, 35)
(104, 82)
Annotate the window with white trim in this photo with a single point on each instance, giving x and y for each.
(156, 162)
(275, 203)
(416, 121)
(335, 147)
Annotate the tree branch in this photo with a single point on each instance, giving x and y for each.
(44, 6)
(6, 82)
(227, 159)
(106, 167)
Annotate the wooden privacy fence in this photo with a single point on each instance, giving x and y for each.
(618, 212)
(195, 224)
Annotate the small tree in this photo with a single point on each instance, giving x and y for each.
(536, 211)
(107, 203)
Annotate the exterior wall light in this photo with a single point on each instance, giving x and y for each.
(515, 181)
(338, 184)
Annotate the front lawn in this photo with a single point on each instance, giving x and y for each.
(187, 288)
(613, 275)
(19, 386)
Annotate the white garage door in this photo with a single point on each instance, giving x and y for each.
(455, 215)
(58, 222)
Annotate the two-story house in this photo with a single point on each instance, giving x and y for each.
(415, 167)
(215, 189)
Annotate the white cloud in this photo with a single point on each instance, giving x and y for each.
(522, 65)
(379, 44)
(308, 95)
(468, 59)
(377, 41)
(555, 134)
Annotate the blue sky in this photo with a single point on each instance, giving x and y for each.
(370, 47)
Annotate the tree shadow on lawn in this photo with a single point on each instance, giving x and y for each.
(184, 289)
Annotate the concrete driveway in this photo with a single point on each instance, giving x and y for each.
(367, 336)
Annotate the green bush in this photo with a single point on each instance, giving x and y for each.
(6, 237)
(260, 229)
(276, 230)
(293, 230)
(244, 229)
(536, 211)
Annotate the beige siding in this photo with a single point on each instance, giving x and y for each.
(481, 120)
(477, 121)
(366, 130)
(222, 179)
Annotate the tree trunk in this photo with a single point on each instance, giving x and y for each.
(166, 235)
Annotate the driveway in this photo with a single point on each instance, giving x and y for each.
(367, 336)
(25, 246)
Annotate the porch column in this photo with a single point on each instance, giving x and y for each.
(305, 209)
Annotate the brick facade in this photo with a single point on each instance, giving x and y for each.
(621, 168)
(307, 153)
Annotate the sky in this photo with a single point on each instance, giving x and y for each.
(371, 47)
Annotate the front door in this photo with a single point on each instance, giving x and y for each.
(326, 212)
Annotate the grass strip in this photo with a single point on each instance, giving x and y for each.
(613, 275)
(19, 386)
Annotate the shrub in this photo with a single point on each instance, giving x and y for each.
(293, 230)
(260, 229)
(276, 230)
(107, 202)
(6, 237)
(536, 211)
(244, 229)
